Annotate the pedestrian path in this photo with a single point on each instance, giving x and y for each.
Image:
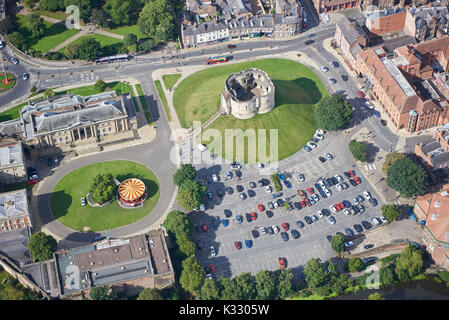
(369, 167)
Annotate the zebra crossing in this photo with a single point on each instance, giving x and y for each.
(370, 167)
(88, 76)
(397, 202)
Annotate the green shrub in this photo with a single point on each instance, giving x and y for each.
(275, 180)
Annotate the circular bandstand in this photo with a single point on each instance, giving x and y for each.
(131, 193)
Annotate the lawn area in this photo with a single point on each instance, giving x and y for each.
(60, 15)
(54, 34)
(161, 93)
(66, 205)
(106, 42)
(298, 89)
(12, 113)
(142, 98)
(170, 80)
(134, 29)
(148, 117)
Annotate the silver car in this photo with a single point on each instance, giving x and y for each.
(331, 219)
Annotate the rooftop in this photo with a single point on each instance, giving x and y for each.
(14, 244)
(13, 204)
(383, 13)
(398, 77)
(11, 154)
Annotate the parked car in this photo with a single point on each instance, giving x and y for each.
(295, 233)
(366, 225)
(50, 162)
(14, 60)
(284, 236)
(349, 232)
(308, 219)
(368, 246)
(332, 80)
(238, 245)
(375, 221)
(307, 148)
(358, 228)
(382, 218)
(214, 178)
(83, 201)
(322, 159)
(324, 68)
(248, 243)
(366, 194)
(239, 218)
(300, 224)
(212, 251)
(301, 177)
(335, 64)
(329, 156)
(344, 77)
(373, 202)
(331, 219)
(282, 262)
(349, 244)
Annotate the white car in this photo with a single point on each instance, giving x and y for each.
(314, 218)
(319, 136)
(320, 131)
(263, 230)
(320, 213)
(369, 105)
(329, 156)
(324, 68)
(312, 201)
(356, 201)
(346, 212)
(312, 145)
(331, 220)
(332, 80)
(212, 251)
(339, 178)
(321, 184)
(214, 178)
(83, 201)
(260, 165)
(268, 189)
(375, 221)
(349, 244)
(275, 229)
(315, 197)
(333, 209)
(275, 204)
(382, 218)
(301, 177)
(327, 192)
(339, 187)
(366, 194)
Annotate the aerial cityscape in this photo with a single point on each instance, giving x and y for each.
(224, 150)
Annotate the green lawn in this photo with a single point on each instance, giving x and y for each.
(142, 98)
(13, 113)
(54, 34)
(161, 93)
(134, 29)
(11, 79)
(298, 89)
(66, 204)
(60, 15)
(148, 117)
(170, 80)
(109, 43)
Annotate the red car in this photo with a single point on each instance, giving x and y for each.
(261, 208)
(351, 173)
(361, 94)
(238, 245)
(285, 226)
(204, 227)
(310, 190)
(253, 216)
(357, 180)
(302, 204)
(212, 268)
(33, 181)
(341, 206)
(282, 262)
(307, 202)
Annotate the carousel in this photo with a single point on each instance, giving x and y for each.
(132, 193)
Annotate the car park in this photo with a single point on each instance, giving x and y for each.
(331, 219)
(239, 218)
(295, 233)
(308, 219)
(332, 80)
(248, 243)
(301, 177)
(300, 224)
(329, 156)
(366, 225)
(238, 245)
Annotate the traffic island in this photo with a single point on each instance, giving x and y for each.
(6, 82)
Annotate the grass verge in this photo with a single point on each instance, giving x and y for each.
(170, 80)
(161, 93)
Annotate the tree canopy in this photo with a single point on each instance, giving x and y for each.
(185, 173)
(35, 24)
(51, 5)
(338, 243)
(42, 246)
(89, 49)
(210, 290)
(102, 293)
(119, 11)
(265, 285)
(100, 18)
(409, 263)
(355, 264)
(192, 275)
(315, 273)
(156, 20)
(229, 289)
(150, 294)
(407, 177)
(285, 283)
(390, 159)
(333, 113)
(178, 223)
(391, 212)
(358, 150)
(103, 188)
(191, 194)
(246, 285)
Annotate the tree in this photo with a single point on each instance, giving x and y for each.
(333, 113)
(229, 290)
(185, 173)
(11, 293)
(192, 275)
(29, 3)
(150, 294)
(51, 5)
(355, 264)
(48, 93)
(100, 85)
(191, 194)
(71, 51)
(391, 212)
(89, 49)
(103, 188)
(156, 14)
(42, 246)
(35, 24)
(130, 39)
(409, 263)
(185, 244)
(246, 286)
(376, 296)
(358, 150)
(314, 272)
(100, 18)
(340, 284)
(85, 7)
(178, 223)
(118, 10)
(338, 243)
(407, 177)
(285, 283)
(7, 25)
(386, 275)
(102, 293)
(210, 290)
(265, 285)
(147, 45)
(33, 89)
(390, 159)
(17, 40)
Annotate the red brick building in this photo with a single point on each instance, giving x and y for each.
(434, 210)
(323, 6)
(386, 21)
(435, 154)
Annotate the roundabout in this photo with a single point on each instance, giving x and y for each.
(141, 194)
(6, 82)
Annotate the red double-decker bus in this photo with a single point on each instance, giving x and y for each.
(216, 59)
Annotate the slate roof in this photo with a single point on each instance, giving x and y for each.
(13, 204)
(14, 244)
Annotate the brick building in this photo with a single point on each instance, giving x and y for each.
(323, 6)
(350, 38)
(433, 209)
(426, 23)
(14, 211)
(386, 21)
(435, 154)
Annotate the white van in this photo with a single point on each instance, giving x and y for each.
(202, 147)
